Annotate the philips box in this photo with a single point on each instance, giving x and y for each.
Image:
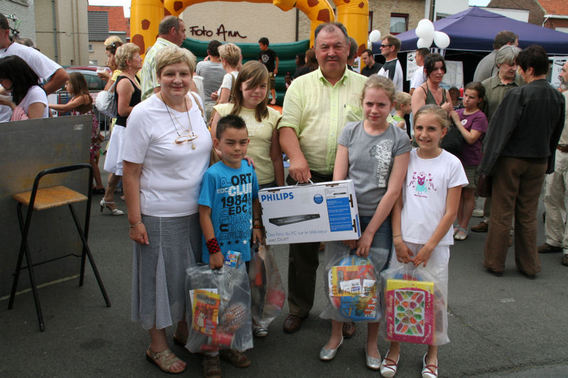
(310, 213)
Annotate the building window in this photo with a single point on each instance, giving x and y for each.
(91, 48)
(370, 21)
(398, 23)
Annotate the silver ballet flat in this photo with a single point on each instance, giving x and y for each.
(372, 362)
(329, 354)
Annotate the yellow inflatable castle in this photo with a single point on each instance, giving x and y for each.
(145, 16)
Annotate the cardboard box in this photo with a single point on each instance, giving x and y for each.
(310, 213)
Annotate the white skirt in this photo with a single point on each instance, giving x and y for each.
(113, 160)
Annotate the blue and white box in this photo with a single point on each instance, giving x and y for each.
(310, 213)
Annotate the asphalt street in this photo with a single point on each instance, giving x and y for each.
(506, 326)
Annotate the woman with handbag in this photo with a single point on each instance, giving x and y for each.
(128, 94)
(166, 152)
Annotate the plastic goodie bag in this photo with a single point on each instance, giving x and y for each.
(352, 286)
(218, 315)
(415, 305)
(267, 291)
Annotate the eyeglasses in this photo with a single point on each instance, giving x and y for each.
(186, 138)
(382, 46)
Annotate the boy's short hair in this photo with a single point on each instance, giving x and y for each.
(229, 121)
(401, 98)
(264, 41)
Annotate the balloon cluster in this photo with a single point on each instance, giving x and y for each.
(426, 35)
(374, 37)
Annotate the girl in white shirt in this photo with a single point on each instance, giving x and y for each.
(28, 99)
(422, 218)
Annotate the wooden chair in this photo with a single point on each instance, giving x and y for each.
(40, 199)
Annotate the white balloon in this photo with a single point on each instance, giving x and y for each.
(425, 29)
(441, 39)
(423, 43)
(375, 36)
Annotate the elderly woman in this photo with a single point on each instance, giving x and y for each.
(128, 94)
(166, 152)
(231, 60)
(431, 92)
(28, 99)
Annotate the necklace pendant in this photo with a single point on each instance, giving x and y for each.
(193, 146)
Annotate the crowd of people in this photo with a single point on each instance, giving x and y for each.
(179, 154)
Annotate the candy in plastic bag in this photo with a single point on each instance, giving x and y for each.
(219, 301)
(415, 306)
(267, 291)
(352, 286)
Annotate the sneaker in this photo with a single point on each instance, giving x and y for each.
(259, 331)
(547, 248)
(565, 259)
(478, 213)
(481, 227)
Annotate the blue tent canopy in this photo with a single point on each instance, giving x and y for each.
(475, 28)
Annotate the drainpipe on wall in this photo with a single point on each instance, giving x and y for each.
(55, 47)
(297, 24)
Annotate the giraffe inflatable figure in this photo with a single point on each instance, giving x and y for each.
(145, 16)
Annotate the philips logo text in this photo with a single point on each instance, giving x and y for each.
(265, 197)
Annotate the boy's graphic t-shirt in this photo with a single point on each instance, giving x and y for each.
(229, 193)
(424, 195)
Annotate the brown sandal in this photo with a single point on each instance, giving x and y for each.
(164, 360)
(211, 367)
(237, 359)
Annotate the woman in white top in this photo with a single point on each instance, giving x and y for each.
(166, 152)
(28, 99)
(231, 59)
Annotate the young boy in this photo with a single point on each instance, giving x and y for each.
(402, 108)
(269, 58)
(228, 208)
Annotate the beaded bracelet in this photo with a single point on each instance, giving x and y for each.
(135, 224)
